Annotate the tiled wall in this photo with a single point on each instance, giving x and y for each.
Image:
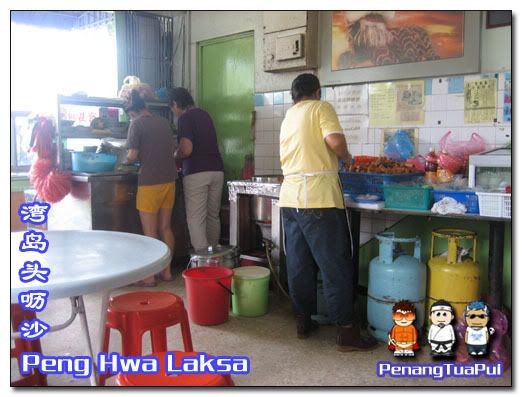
(444, 111)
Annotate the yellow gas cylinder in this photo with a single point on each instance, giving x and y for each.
(453, 278)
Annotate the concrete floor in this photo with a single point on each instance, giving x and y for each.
(277, 357)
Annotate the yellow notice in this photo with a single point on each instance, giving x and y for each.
(382, 104)
(397, 103)
(480, 101)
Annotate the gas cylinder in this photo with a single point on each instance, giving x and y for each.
(454, 276)
(394, 276)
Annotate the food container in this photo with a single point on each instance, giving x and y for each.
(93, 162)
(218, 255)
(357, 183)
(407, 197)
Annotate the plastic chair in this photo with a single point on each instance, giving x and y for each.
(135, 313)
(181, 380)
(36, 378)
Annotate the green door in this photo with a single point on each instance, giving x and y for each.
(226, 91)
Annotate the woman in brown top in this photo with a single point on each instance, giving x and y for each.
(151, 141)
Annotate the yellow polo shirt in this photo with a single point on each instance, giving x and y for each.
(304, 151)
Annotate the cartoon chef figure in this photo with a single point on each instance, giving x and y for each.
(477, 333)
(403, 335)
(441, 336)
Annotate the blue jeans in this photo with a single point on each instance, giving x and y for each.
(319, 236)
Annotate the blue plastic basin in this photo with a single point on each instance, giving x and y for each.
(93, 162)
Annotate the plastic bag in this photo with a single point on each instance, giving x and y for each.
(463, 149)
(134, 83)
(399, 147)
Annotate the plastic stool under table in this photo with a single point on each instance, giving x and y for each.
(134, 313)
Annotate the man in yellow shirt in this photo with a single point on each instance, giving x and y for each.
(314, 220)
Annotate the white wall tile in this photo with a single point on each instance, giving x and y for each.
(264, 150)
(366, 225)
(424, 148)
(287, 106)
(275, 137)
(427, 102)
(368, 149)
(502, 137)
(279, 111)
(329, 94)
(435, 119)
(364, 238)
(265, 112)
(287, 97)
(277, 124)
(436, 134)
(455, 102)
(455, 118)
(378, 226)
(500, 99)
(438, 102)
(268, 124)
(425, 135)
(439, 86)
(268, 98)
(355, 149)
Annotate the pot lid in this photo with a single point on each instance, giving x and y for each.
(214, 251)
(251, 272)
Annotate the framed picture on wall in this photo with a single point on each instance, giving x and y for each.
(496, 19)
(376, 38)
(362, 46)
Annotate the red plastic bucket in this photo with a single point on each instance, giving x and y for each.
(208, 294)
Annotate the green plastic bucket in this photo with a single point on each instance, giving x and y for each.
(250, 291)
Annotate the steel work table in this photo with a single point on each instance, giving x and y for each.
(496, 243)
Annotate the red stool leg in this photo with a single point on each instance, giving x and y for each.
(158, 337)
(185, 332)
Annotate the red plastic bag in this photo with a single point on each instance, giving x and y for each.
(463, 149)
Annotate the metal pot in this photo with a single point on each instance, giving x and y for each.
(218, 255)
(262, 206)
(262, 209)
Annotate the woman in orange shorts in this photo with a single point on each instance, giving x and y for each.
(151, 140)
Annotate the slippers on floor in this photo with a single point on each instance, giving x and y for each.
(144, 284)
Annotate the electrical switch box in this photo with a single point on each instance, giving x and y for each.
(294, 45)
(289, 47)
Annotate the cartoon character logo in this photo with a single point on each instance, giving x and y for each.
(441, 336)
(403, 335)
(477, 333)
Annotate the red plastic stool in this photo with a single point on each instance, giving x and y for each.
(36, 378)
(181, 380)
(137, 312)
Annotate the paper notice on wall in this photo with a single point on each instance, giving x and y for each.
(351, 99)
(355, 128)
(480, 101)
(382, 104)
(410, 102)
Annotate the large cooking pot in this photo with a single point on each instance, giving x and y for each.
(217, 255)
(262, 206)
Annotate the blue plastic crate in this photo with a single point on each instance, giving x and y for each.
(469, 199)
(355, 183)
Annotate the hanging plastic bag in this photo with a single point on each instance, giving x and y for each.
(134, 83)
(462, 149)
(399, 147)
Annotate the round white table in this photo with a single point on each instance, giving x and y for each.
(84, 262)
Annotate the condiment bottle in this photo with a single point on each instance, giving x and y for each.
(432, 164)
